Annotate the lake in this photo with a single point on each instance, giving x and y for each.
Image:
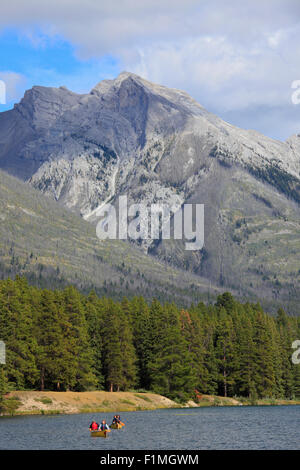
(248, 427)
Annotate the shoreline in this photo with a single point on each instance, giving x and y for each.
(48, 402)
(22, 403)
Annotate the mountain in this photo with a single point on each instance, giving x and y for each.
(158, 145)
(53, 247)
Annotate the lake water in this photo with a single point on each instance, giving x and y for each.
(261, 427)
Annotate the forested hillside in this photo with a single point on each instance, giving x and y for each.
(63, 340)
(54, 247)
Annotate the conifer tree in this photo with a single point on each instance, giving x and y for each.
(129, 358)
(225, 352)
(112, 354)
(78, 340)
(285, 340)
(94, 317)
(16, 326)
(55, 357)
(142, 339)
(171, 370)
(265, 379)
(3, 387)
(208, 319)
(193, 335)
(244, 375)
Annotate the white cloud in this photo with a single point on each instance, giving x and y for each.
(218, 72)
(231, 56)
(14, 84)
(99, 27)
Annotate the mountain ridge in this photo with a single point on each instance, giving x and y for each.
(155, 144)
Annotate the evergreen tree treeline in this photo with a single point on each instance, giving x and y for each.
(63, 340)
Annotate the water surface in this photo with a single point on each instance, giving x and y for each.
(259, 427)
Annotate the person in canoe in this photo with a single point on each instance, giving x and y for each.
(115, 420)
(104, 426)
(94, 426)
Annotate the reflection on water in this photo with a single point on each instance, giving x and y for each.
(263, 427)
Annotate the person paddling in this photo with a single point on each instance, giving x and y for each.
(115, 420)
(94, 426)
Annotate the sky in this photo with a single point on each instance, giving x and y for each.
(238, 59)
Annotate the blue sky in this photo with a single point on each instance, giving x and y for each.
(238, 59)
(48, 62)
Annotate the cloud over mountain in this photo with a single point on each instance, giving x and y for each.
(238, 59)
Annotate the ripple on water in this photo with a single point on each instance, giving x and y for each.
(262, 427)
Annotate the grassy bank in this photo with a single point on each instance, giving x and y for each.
(212, 400)
(35, 402)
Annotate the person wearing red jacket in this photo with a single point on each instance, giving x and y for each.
(94, 426)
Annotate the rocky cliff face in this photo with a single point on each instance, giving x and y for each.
(154, 144)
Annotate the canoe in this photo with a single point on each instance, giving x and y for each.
(117, 426)
(100, 433)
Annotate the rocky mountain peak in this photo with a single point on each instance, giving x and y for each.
(158, 145)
